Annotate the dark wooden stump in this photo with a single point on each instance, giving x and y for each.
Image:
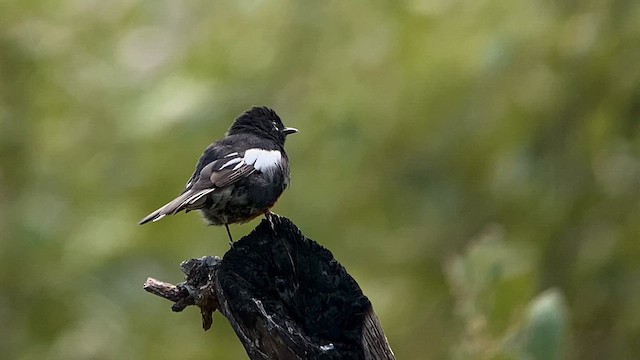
(285, 296)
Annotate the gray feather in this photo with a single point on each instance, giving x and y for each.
(190, 199)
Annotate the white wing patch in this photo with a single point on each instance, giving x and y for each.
(263, 160)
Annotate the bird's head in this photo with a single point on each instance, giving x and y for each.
(263, 122)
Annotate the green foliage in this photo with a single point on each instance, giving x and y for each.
(546, 326)
(492, 286)
(460, 158)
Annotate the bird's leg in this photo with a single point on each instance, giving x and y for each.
(229, 233)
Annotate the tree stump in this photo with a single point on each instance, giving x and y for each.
(285, 296)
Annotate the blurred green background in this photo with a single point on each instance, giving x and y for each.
(475, 165)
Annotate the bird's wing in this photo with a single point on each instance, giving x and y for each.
(217, 174)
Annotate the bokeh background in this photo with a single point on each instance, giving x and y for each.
(473, 164)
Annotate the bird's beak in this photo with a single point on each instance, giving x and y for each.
(289, 130)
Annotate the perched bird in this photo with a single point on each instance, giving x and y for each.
(238, 177)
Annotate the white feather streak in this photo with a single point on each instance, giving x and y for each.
(231, 162)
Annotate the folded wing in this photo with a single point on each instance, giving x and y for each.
(216, 175)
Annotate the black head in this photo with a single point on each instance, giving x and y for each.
(263, 122)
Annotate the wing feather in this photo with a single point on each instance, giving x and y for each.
(224, 171)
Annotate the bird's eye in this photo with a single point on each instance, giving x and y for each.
(275, 126)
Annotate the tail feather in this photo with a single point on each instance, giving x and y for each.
(190, 200)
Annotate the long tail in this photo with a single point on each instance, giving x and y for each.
(189, 200)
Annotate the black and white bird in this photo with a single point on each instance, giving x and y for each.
(238, 177)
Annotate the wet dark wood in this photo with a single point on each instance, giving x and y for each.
(285, 296)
